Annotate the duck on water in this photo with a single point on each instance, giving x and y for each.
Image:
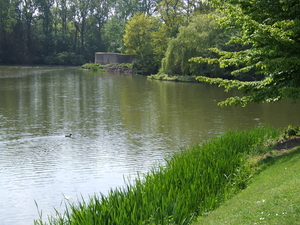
(68, 135)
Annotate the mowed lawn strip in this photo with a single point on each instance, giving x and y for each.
(272, 198)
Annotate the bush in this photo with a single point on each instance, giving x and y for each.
(145, 65)
(51, 60)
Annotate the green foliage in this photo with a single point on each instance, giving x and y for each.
(113, 67)
(113, 34)
(36, 31)
(162, 76)
(31, 31)
(146, 38)
(145, 64)
(261, 90)
(92, 66)
(139, 33)
(127, 8)
(271, 32)
(173, 15)
(291, 131)
(192, 182)
(65, 58)
(191, 41)
(176, 14)
(119, 65)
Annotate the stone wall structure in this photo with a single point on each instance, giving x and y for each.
(105, 58)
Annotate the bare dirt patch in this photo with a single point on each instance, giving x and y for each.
(287, 144)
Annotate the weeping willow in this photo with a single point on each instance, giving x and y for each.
(193, 40)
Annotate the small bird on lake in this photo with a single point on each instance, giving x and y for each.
(68, 135)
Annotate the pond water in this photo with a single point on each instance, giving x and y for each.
(121, 124)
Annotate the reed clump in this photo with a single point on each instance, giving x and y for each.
(93, 66)
(192, 182)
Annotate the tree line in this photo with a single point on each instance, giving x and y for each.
(62, 31)
(163, 34)
(70, 32)
(249, 45)
(240, 40)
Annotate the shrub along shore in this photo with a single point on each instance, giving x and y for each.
(112, 67)
(190, 183)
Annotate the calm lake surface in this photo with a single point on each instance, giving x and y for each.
(122, 124)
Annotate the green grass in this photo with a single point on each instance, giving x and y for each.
(120, 65)
(166, 77)
(195, 181)
(110, 67)
(272, 198)
(92, 66)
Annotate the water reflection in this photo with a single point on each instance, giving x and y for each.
(122, 124)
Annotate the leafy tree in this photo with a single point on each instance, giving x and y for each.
(6, 24)
(113, 34)
(271, 32)
(100, 15)
(177, 13)
(82, 10)
(138, 34)
(172, 13)
(193, 40)
(42, 31)
(149, 6)
(61, 26)
(47, 24)
(127, 8)
(145, 37)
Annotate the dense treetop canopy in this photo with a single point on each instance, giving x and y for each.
(271, 32)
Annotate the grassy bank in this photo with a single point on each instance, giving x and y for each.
(193, 182)
(92, 66)
(272, 198)
(112, 67)
(167, 77)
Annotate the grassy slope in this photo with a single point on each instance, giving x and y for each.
(272, 198)
(195, 180)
